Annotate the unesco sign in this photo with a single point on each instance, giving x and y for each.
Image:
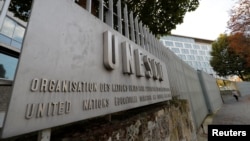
(71, 69)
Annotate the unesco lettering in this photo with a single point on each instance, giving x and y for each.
(133, 60)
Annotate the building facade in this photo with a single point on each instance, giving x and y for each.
(11, 37)
(194, 51)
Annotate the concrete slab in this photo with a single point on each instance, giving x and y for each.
(2, 114)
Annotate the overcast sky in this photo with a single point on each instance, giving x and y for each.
(207, 21)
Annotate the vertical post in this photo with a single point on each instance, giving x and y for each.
(109, 14)
(101, 10)
(154, 46)
(142, 34)
(4, 12)
(146, 38)
(151, 43)
(44, 135)
(132, 28)
(88, 7)
(126, 21)
(119, 15)
(137, 31)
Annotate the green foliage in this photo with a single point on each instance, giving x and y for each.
(21, 8)
(225, 61)
(159, 16)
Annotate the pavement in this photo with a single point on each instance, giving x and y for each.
(232, 112)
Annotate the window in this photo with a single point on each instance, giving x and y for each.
(8, 27)
(175, 50)
(177, 44)
(187, 45)
(204, 47)
(184, 51)
(169, 43)
(8, 66)
(199, 58)
(201, 52)
(183, 57)
(194, 52)
(11, 33)
(196, 46)
(190, 57)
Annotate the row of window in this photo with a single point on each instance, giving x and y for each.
(179, 39)
(11, 34)
(201, 66)
(185, 45)
(193, 58)
(192, 52)
(8, 66)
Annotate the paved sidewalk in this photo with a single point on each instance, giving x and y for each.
(232, 112)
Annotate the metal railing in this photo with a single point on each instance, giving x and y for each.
(117, 16)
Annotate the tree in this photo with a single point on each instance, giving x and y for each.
(21, 9)
(225, 61)
(240, 17)
(241, 45)
(159, 16)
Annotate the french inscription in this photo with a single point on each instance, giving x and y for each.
(119, 88)
(104, 87)
(46, 85)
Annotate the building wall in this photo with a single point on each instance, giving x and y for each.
(243, 88)
(195, 52)
(210, 91)
(5, 91)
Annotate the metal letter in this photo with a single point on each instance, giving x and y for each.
(127, 58)
(30, 111)
(147, 65)
(138, 63)
(110, 51)
(34, 85)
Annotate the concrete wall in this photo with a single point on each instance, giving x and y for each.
(5, 91)
(185, 84)
(243, 88)
(210, 91)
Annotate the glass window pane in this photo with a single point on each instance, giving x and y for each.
(4, 39)
(8, 66)
(169, 43)
(196, 46)
(8, 27)
(16, 44)
(178, 44)
(18, 33)
(187, 45)
(176, 50)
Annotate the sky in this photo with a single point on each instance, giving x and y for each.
(208, 21)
